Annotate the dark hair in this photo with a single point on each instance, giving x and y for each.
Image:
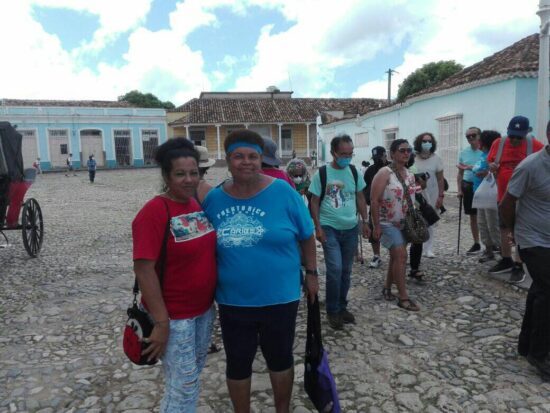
(335, 142)
(173, 149)
(412, 158)
(90, 157)
(396, 144)
(487, 138)
(418, 142)
(364, 163)
(476, 128)
(243, 135)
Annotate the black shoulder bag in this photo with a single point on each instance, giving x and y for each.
(415, 229)
(139, 324)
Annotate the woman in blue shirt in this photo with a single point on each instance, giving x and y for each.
(260, 222)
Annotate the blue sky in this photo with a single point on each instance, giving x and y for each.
(77, 49)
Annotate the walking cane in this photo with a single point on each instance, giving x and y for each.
(359, 251)
(459, 223)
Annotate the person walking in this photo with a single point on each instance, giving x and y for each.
(427, 161)
(487, 218)
(505, 154)
(380, 160)
(91, 164)
(262, 225)
(69, 162)
(389, 208)
(334, 205)
(525, 210)
(467, 158)
(181, 304)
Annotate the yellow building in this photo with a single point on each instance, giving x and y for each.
(290, 122)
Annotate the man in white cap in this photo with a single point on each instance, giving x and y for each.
(204, 163)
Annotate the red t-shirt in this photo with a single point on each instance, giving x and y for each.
(190, 271)
(511, 157)
(280, 174)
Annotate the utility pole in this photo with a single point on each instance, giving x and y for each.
(389, 72)
(543, 84)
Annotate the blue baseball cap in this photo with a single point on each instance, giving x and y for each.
(518, 126)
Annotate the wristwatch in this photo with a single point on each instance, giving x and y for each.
(312, 272)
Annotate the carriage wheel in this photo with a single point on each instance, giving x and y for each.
(33, 227)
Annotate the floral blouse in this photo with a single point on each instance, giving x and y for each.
(394, 206)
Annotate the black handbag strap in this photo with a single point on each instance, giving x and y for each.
(404, 185)
(314, 341)
(162, 255)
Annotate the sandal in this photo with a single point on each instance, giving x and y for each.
(407, 304)
(386, 293)
(417, 275)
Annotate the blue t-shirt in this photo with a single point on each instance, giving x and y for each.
(338, 208)
(480, 166)
(257, 247)
(469, 157)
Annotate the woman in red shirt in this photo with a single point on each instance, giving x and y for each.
(180, 303)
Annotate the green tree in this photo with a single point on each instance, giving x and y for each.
(428, 75)
(145, 100)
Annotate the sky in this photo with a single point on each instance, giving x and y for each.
(102, 49)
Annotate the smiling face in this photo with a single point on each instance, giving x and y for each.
(244, 163)
(183, 178)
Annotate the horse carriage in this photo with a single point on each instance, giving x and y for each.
(14, 184)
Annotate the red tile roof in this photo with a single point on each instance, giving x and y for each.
(66, 103)
(521, 59)
(291, 110)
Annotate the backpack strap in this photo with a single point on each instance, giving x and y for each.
(355, 174)
(500, 149)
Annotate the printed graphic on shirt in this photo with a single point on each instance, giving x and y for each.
(186, 227)
(240, 227)
(336, 195)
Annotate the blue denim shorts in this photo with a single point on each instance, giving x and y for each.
(391, 236)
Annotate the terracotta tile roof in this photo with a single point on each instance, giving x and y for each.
(291, 110)
(66, 103)
(521, 59)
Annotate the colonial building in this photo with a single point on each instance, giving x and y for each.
(117, 134)
(290, 122)
(487, 95)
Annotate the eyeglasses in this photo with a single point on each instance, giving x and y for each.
(472, 136)
(426, 141)
(405, 150)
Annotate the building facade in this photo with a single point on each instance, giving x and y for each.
(290, 122)
(486, 95)
(117, 134)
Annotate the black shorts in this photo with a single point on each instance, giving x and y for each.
(468, 197)
(273, 327)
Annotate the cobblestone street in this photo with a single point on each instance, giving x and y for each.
(62, 316)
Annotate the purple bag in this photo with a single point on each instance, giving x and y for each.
(318, 381)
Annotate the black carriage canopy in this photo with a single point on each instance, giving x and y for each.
(11, 157)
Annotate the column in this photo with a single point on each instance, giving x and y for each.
(187, 132)
(280, 125)
(307, 139)
(218, 141)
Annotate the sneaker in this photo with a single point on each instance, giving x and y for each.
(504, 265)
(347, 317)
(487, 256)
(518, 275)
(496, 249)
(475, 249)
(335, 321)
(375, 262)
(429, 254)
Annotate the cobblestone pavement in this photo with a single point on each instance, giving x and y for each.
(62, 316)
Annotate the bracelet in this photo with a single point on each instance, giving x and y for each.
(312, 272)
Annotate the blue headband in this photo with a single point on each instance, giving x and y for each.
(236, 145)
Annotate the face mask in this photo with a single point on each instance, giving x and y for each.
(343, 162)
(426, 146)
(297, 179)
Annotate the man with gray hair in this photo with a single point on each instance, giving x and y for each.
(525, 210)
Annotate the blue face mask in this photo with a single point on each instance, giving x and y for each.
(426, 146)
(343, 162)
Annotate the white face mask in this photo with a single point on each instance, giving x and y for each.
(297, 179)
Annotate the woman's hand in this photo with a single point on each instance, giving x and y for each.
(439, 202)
(157, 341)
(311, 287)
